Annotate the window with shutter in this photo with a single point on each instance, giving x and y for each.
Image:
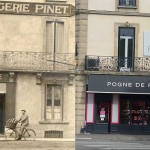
(55, 37)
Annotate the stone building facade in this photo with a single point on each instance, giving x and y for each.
(37, 65)
(112, 46)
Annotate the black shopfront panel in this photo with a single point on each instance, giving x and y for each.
(134, 95)
(119, 84)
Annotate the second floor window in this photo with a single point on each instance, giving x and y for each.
(55, 36)
(127, 3)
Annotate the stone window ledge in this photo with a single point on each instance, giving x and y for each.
(127, 7)
(53, 122)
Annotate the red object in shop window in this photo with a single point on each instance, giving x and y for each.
(138, 103)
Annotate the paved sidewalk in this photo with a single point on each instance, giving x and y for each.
(2, 138)
(113, 137)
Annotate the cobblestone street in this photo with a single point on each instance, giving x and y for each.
(36, 145)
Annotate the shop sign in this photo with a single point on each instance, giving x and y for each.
(46, 9)
(119, 84)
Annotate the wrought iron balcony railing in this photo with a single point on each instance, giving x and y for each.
(115, 64)
(36, 62)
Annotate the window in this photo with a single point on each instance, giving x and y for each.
(126, 48)
(125, 112)
(55, 36)
(54, 102)
(134, 111)
(127, 3)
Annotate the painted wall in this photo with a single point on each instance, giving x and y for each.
(111, 5)
(101, 34)
(29, 97)
(101, 5)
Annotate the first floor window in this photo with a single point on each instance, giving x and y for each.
(54, 95)
(127, 2)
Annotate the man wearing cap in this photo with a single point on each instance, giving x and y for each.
(24, 119)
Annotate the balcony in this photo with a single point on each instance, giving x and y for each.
(114, 64)
(36, 62)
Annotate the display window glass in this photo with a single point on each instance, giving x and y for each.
(103, 112)
(134, 111)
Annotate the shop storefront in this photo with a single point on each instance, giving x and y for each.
(118, 104)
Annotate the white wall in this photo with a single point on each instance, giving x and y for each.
(28, 97)
(101, 33)
(101, 5)
(21, 33)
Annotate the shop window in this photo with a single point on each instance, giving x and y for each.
(146, 117)
(125, 112)
(54, 36)
(103, 109)
(53, 102)
(127, 3)
(134, 112)
(137, 113)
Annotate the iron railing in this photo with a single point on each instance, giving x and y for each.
(115, 64)
(36, 61)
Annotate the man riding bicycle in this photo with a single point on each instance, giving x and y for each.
(24, 119)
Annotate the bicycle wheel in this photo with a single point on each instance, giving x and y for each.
(29, 134)
(10, 135)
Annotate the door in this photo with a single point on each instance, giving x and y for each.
(102, 115)
(2, 116)
(126, 49)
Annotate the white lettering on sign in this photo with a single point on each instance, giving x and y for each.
(56, 9)
(140, 85)
(127, 84)
(36, 8)
(13, 7)
(119, 84)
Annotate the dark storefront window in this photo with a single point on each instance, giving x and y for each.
(137, 112)
(125, 115)
(134, 111)
(146, 113)
(103, 108)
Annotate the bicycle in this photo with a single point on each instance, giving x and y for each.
(12, 133)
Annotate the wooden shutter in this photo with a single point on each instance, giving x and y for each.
(59, 37)
(10, 100)
(50, 37)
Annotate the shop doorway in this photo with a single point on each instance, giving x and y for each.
(2, 113)
(102, 113)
